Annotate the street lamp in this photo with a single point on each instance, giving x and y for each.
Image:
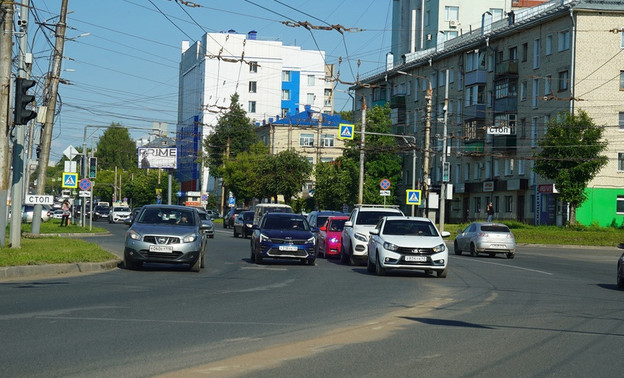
(428, 98)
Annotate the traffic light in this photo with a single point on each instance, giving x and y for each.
(92, 167)
(22, 99)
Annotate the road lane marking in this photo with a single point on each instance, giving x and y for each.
(510, 266)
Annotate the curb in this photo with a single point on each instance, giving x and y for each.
(24, 271)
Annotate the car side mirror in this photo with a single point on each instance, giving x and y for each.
(445, 234)
(348, 224)
(323, 228)
(374, 231)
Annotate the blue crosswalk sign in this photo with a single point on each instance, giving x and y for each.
(345, 131)
(70, 180)
(413, 197)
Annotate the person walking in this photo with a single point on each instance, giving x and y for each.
(66, 213)
(489, 209)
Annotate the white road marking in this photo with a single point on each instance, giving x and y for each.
(510, 266)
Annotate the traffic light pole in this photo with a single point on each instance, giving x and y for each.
(6, 51)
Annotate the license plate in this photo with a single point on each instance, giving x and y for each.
(289, 248)
(498, 246)
(161, 248)
(416, 258)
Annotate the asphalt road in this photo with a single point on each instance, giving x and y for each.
(549, 312)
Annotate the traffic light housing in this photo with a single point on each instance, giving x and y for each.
(22, 99)
(92, 167)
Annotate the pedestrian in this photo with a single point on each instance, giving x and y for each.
(66, 213)
(489, 209)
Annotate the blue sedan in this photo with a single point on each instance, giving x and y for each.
(283, 236)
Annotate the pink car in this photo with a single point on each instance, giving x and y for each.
(329, 236)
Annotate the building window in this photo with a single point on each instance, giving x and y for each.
(621, 121)
(284, 112)
(253, 67)
(563, 81)
(525, 51)
(534, 132)
(326, 159)
(620, 162)
(509, 167)
(622, 80)
(306, 140)
(523, 128)
(513, 53)
(536, 53)
(467, 171)
(496, 169)
(285, 94)
(450, 34)
(286, 76)
(523, 91)
(310, 98)
(497, 14)
(252, 107)
(564, 40)
(508, 204)
(535, 92)
(521, 170)
(620, 205)
(311, 80)
(253, 86)
(477, 204)
(475, 94)
(549, 40)
(475, 61)
(451, 13)
(547, 88)
(327, 140)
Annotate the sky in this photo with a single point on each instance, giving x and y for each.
(121, 57)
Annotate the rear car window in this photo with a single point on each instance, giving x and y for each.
(495, 228)
(372, 217)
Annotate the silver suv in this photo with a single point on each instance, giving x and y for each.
(355, 233)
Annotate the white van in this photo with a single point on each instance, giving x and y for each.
(262, 208)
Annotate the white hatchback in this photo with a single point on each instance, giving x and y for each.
(400, 242)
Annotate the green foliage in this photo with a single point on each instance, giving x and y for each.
(54, 250)
(570, 155)
(141, 188)
(234, 126)
(284, 173)
(241, 175)
(332, 184)
(347, 115)
(116, 148)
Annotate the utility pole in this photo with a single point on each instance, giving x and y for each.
(444, 182)
(46, 133)
(362, 140)
(6, 52)
(17, 194)
(428, 98)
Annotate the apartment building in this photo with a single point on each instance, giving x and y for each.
(271, 79)
(422, 24)
(506, 80)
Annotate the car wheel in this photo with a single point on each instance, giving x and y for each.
(253, 256)
(620, 277)
(511, 255)
(224, 224)
(244, 233)
(235, 233)
(211, 236)
(311, 262)
(195, 267)
(258, 259)
(370, 267)
(344, 259)
(442, 273)
(381, 271)
(473, 251)
(203, 260)
(492, 254)
(456, 248)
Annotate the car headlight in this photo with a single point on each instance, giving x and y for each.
(333, 240)
(264, 238)
(310, 240)
(134, 235)
(390, 246)
(439, 248)
(361, 237)
(189, 238)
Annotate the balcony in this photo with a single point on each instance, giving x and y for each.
(397, 101)
(504, 143)
(381, 102)
(476, 111)
(507, 68)
(506, 105)
(475, 77)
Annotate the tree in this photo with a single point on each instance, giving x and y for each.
(241, 174)
(234, 127)
(570, 156)
(116, 148)
(284, 173)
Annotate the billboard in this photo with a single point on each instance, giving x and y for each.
(158, 157)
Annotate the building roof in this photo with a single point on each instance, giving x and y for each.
(308, 118)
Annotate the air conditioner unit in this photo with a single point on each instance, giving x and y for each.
(453, 23)
(429, 37)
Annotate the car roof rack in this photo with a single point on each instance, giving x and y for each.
(377, 205)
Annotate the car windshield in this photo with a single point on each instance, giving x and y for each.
(167, 216)
(286, 223)
(372, 217)
(495, 228)
(117, 209)
(403, 227)
(248, 216)
(337, 224)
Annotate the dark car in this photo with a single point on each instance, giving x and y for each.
(318, 218)
(207, 221)
(283, 236)
(101, 212)
(168, 234)
(243, 223)
(230, 216)
(620, 269)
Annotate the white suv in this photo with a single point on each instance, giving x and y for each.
(119, 214)
(355, 233)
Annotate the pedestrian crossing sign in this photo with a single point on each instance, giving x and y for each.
(70, 180)
(413, 197)
(345, 131)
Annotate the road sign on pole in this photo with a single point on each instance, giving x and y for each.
(413, 197)
(345, 131)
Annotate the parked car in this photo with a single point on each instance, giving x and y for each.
(56, 214)
(620, 269)
(329, 238)
(27, 213)
(168, 234)
(207, 222)
(355, 233)
(119, 214)
(101, 212)
(283, 236)
(230, 216)
(243, 223)
(414, 243)
(318, 218)
(213, 214)
(482, 237)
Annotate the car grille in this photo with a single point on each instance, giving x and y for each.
(415, 251)
(163, 256)
(161, 239)
(299, 253)
(289, 241)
